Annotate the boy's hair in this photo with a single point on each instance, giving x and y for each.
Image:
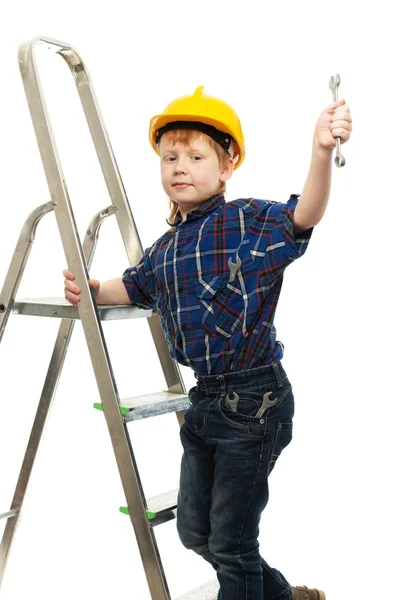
(186, 136)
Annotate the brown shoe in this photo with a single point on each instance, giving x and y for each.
(301, 592)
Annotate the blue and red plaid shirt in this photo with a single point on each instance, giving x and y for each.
(216, 280)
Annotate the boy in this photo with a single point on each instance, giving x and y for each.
(215, 278)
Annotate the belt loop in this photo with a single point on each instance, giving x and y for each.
(201, 382)
(277, 374)
(222, 378)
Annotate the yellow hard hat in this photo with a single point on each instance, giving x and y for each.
(190, 111)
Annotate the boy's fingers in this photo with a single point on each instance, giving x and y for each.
(71, 287)
(68, 275)
(332, 107)
(72, 298)
(72, 291)
(94, 283)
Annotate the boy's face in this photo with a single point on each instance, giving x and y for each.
(190, 173)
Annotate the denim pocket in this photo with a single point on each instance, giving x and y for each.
(199, 406)
(249, 408)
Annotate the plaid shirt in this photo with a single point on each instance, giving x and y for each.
(215, 282)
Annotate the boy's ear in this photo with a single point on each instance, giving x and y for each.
(227, 170)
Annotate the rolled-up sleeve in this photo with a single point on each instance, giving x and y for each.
(283, 235)
(296, 244)
(139, 281)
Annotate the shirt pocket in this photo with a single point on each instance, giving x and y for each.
(221, 305)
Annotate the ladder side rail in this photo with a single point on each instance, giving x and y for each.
(18, 263)
(49, 387)
(8, 514)
(91, 322)
(119, 199)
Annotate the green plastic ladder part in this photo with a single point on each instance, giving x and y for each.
(150, 514)
(123, 410)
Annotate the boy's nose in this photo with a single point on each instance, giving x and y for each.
(179, 167)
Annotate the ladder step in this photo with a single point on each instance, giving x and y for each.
(208, 591)
(165, 501)
(152, 405)
(161, 508)
(59, 308)
(10, 513)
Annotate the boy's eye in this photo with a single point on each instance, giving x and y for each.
(196, 157)
(170, 158)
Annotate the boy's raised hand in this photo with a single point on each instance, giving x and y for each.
(72, 292)
(334, 121)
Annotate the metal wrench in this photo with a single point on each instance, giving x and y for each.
(232, 400)
(334, 83)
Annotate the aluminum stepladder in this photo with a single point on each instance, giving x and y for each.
(144, 514)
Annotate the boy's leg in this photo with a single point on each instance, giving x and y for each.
(236, 453)
(194, 497)
(243, 459)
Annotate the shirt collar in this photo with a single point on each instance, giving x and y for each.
(207, 206)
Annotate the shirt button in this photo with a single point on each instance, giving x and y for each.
(180, 290)
(183, 327)
(178, 252)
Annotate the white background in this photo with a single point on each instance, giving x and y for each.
(332, 519)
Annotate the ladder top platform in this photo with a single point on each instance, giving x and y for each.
(60, 308)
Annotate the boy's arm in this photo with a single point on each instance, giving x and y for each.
(109, 292)
(139, 281)
(335, 121)
(315, 195)
(133, 287)
(113, 291)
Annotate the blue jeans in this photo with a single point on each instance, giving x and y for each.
(237, 425)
